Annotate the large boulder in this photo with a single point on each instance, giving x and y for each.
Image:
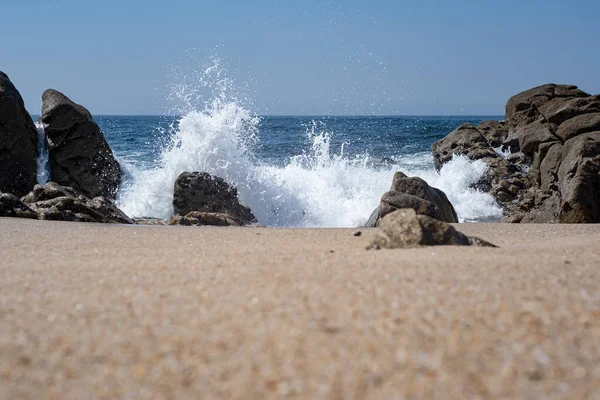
(406, 228)
(414, 193)
(200, 191)
(78, 153)
(18, 142)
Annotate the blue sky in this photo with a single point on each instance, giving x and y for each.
(345, 57)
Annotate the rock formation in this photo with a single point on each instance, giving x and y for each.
(55, 202)
(215, 199)
(414, 193)
(405, 228)
(18, 142)
(199, 218)
(78, 154)
(553, 171)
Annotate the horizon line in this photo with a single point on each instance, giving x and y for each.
(309, 115)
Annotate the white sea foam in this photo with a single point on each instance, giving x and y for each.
(43, 169)
(321, 187)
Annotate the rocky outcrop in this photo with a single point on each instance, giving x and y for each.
(552, 175)
(78, 154)
(406, 228)
(414, 193)
(18, 142)
(210, 195)
(55, 202)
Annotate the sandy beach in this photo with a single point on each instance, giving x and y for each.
(93, 311)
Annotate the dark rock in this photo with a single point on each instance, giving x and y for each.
(49, 191)
(78, 153)
(18, 142)
(199, 191)
(414, 193)
(12, 206)
(406, 229)
(54, 202)
(416, 187)
(199, 218)
(465, 140)
(148, 221)
(373, 219)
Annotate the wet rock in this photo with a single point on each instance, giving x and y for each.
(55, 202)
(406, 229)
(199, 218)
(18, 142)
(78, 153)
(49, 191)
(200, 191)
(12, 206)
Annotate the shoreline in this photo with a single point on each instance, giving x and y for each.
(102, 311)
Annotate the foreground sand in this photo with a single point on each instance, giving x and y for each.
(91, 311)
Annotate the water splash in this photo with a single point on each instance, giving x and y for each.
(43, 168)
(321, 187)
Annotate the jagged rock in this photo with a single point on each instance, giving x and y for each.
(495, 132)
(199, 191)
(534, 134)
(78, 153)
(546, 211)
(556, 128)
(414, 193)
(18, 142)
(198, 218)
(55, 202)
(549, 166)
(49, 191)
(148, 221)
(465, 140)
(406, 229)
(558, 110)
(12, 206)
(577, 125)
(523, 108)
(579, 179)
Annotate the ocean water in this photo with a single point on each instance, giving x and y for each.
(296, 171)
